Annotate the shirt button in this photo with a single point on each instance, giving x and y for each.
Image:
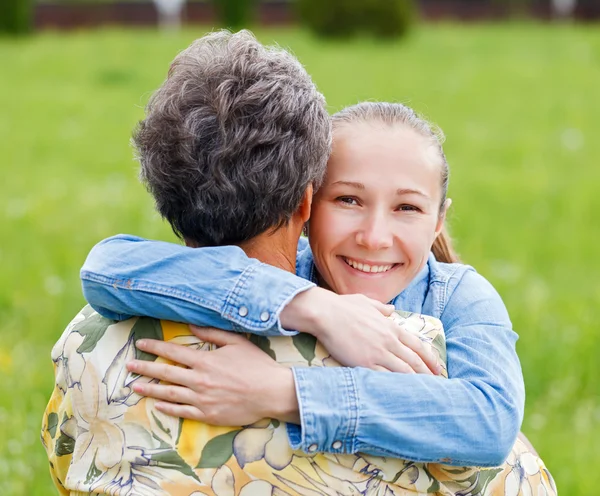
(243, 311)
(312, 448)
(264, 316)
(336, 445)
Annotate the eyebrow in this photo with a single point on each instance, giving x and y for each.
(349, 183)
(409, 191)
(399, 191)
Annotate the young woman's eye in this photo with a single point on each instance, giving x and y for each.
(347, 200)
(408, 208)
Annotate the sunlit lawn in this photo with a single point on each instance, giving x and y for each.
(520, 106)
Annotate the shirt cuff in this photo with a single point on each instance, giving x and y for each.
(251, 308)
(329, 410)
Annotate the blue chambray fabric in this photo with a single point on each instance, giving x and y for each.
(124, 276)
(471, 419)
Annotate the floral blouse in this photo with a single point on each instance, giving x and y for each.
(103, 438)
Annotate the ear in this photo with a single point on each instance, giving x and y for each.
(305, 205)
(442, 217)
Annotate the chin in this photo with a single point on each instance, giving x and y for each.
(379, 296)
(373, 293)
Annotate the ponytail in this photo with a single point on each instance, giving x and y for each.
(442, 248)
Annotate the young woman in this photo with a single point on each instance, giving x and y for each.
(376, 228)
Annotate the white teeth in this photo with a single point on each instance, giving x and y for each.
(366, 267)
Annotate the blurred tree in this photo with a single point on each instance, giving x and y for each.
(564, 8)
(333, 18)
(515, 8)
(388, 18)
(16, 16)
(340, 18)
(234, 14)
(169, 13)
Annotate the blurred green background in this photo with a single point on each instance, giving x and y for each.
(519, 103)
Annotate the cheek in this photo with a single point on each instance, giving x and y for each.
(330, 231)
(328, 228)
(417, 240)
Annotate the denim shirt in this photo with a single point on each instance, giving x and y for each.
(471, 419)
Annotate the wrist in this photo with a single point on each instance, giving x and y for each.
(304, 313)
(282, 402)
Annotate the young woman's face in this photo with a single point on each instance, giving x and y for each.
(375, 218)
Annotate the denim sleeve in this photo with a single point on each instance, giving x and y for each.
(471, 419)
(219, 287)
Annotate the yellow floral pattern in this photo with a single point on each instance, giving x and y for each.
(103, 438)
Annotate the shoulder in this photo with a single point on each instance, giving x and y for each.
(86, 322)
(94, 348)
(122, 237)
(89, 332)
(464, 294)
(446, 273)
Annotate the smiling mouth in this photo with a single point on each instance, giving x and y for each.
(367, 268)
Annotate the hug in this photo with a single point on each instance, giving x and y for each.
(364, 358)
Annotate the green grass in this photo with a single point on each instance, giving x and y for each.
(519, 103)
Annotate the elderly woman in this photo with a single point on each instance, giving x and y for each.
(217, 180)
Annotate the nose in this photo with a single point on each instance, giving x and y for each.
(375, 233)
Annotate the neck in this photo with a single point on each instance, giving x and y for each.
(277, 249)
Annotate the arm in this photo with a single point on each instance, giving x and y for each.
(471, 419)
(57, 445)
(221, 287)
(482, 402)
(57, 434)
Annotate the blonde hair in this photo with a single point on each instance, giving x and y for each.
(393, 114)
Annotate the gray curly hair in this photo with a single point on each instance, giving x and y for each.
(232, 139)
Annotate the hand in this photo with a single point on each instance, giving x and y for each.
(236, 384)
(355, 330)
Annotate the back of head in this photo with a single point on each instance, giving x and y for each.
(232, 139)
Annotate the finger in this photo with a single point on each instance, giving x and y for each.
(217, 336)
(164, 392)
(410, 357)
(171, 351)
(182, 411)
(384, 308)
(427, 354)
(380, 368)
(420, 356)
(393, 363)
(163, 372)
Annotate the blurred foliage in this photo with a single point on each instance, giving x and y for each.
(344, 18)
(92, 2)
(388, 18)
(16, 16)
(234, 14)
(518, 103)
(335, 18)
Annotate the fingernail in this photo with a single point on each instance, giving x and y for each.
(141, 343)
(132, 366)
(138, 388)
